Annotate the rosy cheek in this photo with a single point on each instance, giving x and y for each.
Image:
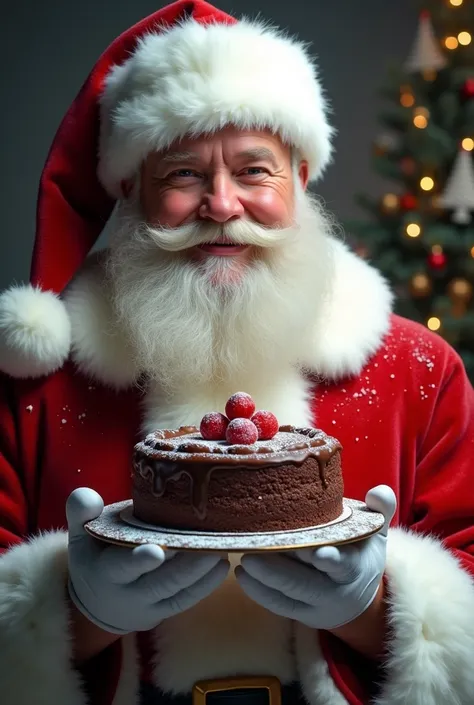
(269, 207)
(172, 208)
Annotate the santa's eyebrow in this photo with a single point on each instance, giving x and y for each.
(254, 154)
(173, 157)
(258, 154)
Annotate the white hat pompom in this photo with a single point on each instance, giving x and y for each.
(35, 332)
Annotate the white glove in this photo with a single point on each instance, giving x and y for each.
(333, 586)
(132, 589)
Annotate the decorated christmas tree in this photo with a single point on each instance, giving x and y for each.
(421, 233)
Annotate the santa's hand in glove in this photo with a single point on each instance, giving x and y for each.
(124, 589)
(329, 587)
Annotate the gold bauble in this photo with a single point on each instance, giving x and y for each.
(460, 289)
(420, 117)
(412, 230)
(390, 202)
(407, 99)
(420, 285)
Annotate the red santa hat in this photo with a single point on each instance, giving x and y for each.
(188, 69)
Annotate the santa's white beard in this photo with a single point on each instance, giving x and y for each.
(216, 322)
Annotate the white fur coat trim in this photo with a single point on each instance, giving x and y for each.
(196, 79)
(348, 327)
(432, 621)
(353, 320)
(99, 348)
(35, 643)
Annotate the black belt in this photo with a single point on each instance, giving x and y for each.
(289, 694)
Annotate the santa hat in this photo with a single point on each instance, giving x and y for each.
(188, 69)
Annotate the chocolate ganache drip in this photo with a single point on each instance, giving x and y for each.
(168, 456)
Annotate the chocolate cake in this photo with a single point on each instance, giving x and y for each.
(184, 481)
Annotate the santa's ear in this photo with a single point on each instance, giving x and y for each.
(303, 174)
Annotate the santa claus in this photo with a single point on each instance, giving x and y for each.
(199, 135)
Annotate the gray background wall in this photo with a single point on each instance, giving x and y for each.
(50, 46)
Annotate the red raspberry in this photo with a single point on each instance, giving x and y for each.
(266, 423)
(213, 426)
(241, 432)
(240, 406)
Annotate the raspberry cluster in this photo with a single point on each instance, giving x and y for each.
(241, 424)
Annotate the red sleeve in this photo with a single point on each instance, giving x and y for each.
(442, 507)
(100, 676)
(444, 489)
(13, 504)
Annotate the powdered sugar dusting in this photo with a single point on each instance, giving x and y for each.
(115, 526)
(240, 398)
(240, 423)
(176, 447)
(420, 347)
(214, 416)
(396, 365)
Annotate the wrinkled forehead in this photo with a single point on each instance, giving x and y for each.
(228, 144)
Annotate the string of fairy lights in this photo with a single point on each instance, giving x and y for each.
(460, 290)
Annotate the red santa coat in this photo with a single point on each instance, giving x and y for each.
(405, 417)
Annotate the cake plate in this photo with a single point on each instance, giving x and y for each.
(117, 525)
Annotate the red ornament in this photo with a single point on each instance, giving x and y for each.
(408, 202)
(468, 88)
(424, 14)
(437, 260)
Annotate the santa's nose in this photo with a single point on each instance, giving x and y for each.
(221, 202)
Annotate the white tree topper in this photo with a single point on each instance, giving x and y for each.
(458, 193)
(426, 54)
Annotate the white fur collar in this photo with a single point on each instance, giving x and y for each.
(347, 331)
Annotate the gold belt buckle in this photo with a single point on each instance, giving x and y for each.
(201, 689)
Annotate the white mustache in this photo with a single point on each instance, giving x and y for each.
(238, 232)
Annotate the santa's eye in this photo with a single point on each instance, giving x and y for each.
(184, 173)
(254, 171)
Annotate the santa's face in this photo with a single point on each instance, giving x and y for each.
(219, 262)
(221, 182)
